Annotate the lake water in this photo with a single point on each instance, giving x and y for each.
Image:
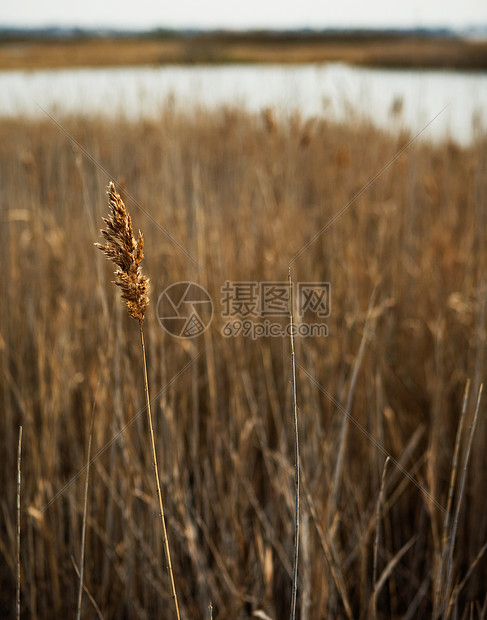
(389, 98)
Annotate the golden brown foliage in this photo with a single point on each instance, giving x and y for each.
(127, 253)
(373, 49)
(242, 201)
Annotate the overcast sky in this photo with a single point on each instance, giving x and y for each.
(136, 14)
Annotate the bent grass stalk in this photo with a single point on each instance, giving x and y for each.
(83, 528)
(127, 253)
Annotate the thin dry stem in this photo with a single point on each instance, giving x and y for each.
(343, 436)
(380, 502)
(386, 573)
(127, 253)
(296, 457)
(88, 593)
(83, 529)
(329, 550)
(156, 475)
(19, 479)
(451, 545)
(471, 568)
(440, 579)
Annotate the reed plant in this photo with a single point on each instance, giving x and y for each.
(127, 253)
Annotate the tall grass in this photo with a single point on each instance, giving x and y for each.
(243, 196)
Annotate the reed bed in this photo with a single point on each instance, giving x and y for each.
(242, 194)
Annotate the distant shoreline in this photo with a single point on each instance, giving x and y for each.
(371, 49)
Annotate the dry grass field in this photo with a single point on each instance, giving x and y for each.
(243, 194)
(369, 49)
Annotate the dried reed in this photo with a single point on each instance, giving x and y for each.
(19, 480)
(127, 253)
(453, 534)
(440, 579)
(83, 527)
(420, 228)
(296, 455)
(380, 503)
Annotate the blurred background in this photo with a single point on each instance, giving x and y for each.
(345, 141)
(397, 67)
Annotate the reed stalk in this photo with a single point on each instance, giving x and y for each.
(296, 455)
(127, 253)
(83, 529)
(19, 480)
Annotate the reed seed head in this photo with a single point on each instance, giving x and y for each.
(127, 253)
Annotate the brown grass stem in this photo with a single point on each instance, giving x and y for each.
(386, 573)
(469, 572)
(343, 434)
(440, 579)
(380, 502)
(296, 454)
(127, 253)
(451, 544)
(19, 484)
(88, 593)
(156, 476)
(329, 551)
(83, 528)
